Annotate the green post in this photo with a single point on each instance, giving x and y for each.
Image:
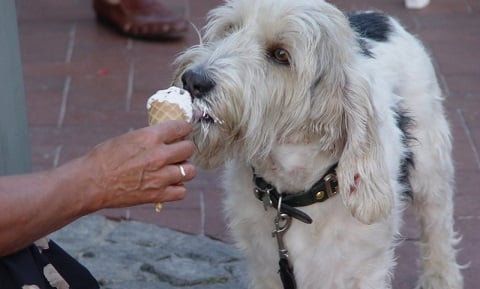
(14, 140)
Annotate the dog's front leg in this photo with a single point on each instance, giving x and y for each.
(250, 226)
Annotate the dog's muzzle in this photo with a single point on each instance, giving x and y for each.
(200, 84)
(197, 82)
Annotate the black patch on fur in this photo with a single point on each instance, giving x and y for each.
(371, 25)
(404, 123)
(364, 47)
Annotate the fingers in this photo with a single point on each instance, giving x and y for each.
(178, 152)
(172, 193)
(171, 178)
(169, 145)
(172, 131)
(143, 166)
(161, 178)
(172, 174)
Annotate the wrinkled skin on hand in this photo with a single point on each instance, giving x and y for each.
(135, 168)
(142, 166)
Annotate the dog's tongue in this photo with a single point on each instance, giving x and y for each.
(199, 115)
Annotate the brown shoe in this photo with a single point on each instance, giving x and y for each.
(145, 19)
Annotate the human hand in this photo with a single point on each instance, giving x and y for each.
(140, 167)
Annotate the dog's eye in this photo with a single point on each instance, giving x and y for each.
(280, 55)
(230, 29)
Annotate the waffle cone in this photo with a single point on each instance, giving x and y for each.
(161, 111)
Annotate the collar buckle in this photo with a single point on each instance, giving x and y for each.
(331, 184)
(264, 195)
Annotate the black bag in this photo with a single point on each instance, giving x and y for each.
(47, 267)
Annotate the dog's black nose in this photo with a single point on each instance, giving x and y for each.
(198, 83)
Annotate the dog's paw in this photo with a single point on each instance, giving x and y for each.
(441, 281)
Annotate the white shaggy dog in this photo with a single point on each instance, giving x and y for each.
(293, 95)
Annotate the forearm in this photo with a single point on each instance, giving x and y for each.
(136, 168)
(35, 205)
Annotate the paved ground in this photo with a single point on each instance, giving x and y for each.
(134, 255)
(85, 84)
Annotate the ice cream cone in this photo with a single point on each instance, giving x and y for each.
(161, 111)
(170, 104)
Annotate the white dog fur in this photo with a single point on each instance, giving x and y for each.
(289, 88)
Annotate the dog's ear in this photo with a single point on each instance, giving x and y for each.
(362, 174)
(344, 116)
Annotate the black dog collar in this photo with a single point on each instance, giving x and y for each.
(321, 191)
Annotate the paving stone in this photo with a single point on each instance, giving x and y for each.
(129, 253)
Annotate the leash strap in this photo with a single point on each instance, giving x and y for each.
(282, 224)
(289, 210)
(286, 274)
(321, 191)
